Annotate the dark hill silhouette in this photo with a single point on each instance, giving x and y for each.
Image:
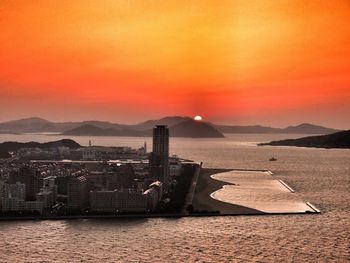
(335, 140)
(6, 147)
(27, 125)
(247, 129)
(170, 121)
(194, 129)
(188, 128)
(92, 130)
(304, 128)
(35, 124)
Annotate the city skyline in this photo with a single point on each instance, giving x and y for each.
(97, 179)
(237, 62)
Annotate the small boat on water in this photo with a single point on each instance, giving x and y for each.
(272, 159)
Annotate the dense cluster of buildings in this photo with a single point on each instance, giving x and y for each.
(83, 153)
(102, 180)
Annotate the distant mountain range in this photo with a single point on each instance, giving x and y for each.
(335, 140)
(179, 127)
(304, 128)
(92, 130)
(188, 128)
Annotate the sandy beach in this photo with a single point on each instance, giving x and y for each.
(202, 201)
(261, 191)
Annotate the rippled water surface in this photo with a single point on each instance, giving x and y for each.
(318, 175)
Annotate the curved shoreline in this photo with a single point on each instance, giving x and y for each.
(262, 193)
(203, 201)
(227, 183)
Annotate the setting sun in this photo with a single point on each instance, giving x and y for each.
(198, 118)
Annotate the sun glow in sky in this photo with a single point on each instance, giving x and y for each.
(239, 62)
(197, 118)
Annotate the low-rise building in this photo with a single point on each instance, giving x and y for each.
(124, 200)
(103, 201)
(46, 197)
(34, 206)
(17, 190)
(129, 200)
(158, 186)
(10, 204)
(152, 198)
(175, 168)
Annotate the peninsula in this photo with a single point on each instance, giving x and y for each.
(335, 140)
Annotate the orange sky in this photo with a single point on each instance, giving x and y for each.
(240, 62)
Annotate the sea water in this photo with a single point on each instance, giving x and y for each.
(320, 176)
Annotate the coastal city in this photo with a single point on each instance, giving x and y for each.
(68, 179)
(174, 131)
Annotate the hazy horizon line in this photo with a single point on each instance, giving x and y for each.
(173, 116)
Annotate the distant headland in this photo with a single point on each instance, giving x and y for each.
(335, 140)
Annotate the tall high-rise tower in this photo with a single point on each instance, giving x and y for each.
(159, 160)
(145, 147)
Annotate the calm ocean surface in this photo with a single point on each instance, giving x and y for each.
(319, 176)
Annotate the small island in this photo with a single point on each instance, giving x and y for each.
(339, 140)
